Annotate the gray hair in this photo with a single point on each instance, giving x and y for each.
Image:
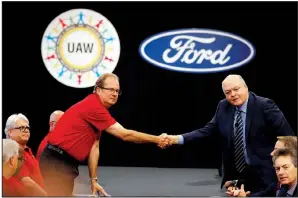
(11, 122)
(10, 148)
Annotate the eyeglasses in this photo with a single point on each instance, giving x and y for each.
(23, 128)
(112, 90)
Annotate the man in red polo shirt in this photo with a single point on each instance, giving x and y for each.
(54, 117)
(77, 135)
(17, 128)
(10, 154)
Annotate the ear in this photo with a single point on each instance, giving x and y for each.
(9, 133)
(12, 160)
(98, 90)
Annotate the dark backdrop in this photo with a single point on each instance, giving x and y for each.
(154, 100)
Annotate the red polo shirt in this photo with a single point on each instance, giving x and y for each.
(30, 168)
(80, 126)
(42, 145)
(13, 187)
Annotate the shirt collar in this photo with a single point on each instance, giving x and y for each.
(98, 97)
(291, 190)
(27, 149)
(243, 107)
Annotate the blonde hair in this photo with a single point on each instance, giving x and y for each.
(289, 141)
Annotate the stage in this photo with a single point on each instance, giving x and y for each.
(151, 182)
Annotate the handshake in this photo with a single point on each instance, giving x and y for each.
(165, 140)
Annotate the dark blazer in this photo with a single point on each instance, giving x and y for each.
(270, 191)
(264, 122)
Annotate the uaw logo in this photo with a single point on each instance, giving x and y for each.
(197, 50)
(78, 46)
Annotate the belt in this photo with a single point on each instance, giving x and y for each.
(55, 148)
(63, 154)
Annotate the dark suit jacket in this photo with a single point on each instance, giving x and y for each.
(264, 122)
(270, 191)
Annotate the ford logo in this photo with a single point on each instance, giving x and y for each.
(196, 50)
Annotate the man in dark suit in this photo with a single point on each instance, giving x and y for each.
(289, 142)
(285, 164)
(248, 126)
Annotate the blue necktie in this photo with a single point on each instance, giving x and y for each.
(283, 191)
(238, 143)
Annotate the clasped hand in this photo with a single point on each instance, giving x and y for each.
(166, 140)
(236, 192)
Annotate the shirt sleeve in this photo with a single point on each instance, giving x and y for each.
(23, 172)
(180, 139)
(19, 188)
(100, 118)
(13, 187)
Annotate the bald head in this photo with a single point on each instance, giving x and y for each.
(54, 117)
(234, 78)
(235, 89)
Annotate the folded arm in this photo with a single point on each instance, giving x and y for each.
(33, 187)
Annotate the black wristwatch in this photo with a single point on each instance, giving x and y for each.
(234, 182)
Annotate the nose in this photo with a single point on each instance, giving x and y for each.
(26, 131)
(232, 93)
(281, 172)
(115, 93)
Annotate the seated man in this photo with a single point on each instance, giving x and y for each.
(285, 164)
(10, 186)
(282, 142)
(285, 142)
(17, 128)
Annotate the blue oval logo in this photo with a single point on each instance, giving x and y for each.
(197, 50)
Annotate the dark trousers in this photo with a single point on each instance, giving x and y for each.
(59, 171)
(250, 178)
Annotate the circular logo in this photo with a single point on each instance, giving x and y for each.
(78, 46)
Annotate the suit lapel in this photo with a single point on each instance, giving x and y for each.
(295, 192)
(230, 125)
(249, 115)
